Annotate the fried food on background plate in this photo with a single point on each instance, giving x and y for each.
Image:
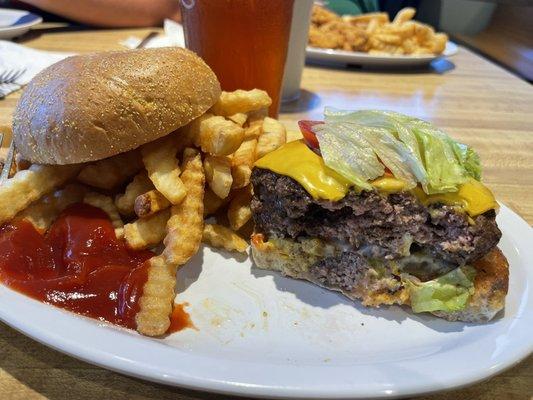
(374, 33)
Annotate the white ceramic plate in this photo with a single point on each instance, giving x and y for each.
(260, 334)
(14, 23)
(314, 54)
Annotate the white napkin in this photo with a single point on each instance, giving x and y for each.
(14, 55)
(172, 37)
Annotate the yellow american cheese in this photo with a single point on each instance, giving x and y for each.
(472, 196)
(296, 160)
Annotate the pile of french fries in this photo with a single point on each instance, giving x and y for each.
(374, 33)
(163, 192)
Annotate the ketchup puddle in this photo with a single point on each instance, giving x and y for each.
(79, 265)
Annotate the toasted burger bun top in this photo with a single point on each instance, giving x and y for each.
(94, 106)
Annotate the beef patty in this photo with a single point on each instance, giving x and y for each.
(373, 224)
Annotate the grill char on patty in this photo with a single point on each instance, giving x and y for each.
(377, 225)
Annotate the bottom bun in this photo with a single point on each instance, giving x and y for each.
(294, 259)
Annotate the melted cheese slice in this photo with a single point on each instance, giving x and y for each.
(472, 196)
(297, 161)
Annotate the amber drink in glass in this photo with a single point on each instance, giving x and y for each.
(244, 41)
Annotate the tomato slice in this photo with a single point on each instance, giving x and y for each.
(308, 134)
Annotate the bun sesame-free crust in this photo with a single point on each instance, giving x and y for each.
(93, 106)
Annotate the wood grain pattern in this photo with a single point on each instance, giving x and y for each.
(474, 100)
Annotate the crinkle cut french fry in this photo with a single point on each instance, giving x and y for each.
(149, 203)
(404, 15)
(184, 234)
(239, 118)
(241, 175)
(254, 126)
(241, 101)
(212, 202)
(242, 161)
(146, 232)
(215, 134)
(155, 304)
(222, 237)
(29, 185)
(257, 116)
(239, 212)
(184, 228)
(254, 130)
(274, 135)
(245, 154)
(218, 174)
(140, 184)
(43, 212)
(106, 204)
(159, 158)
(219, 136)
(192, 129)
(111, 172)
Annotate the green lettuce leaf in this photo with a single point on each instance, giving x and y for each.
(445, 172)
(361, 153)
(354, 143)
(357, 164)
(449, 292)
(392, 123)
(469, 159)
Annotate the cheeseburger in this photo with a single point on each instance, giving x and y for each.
(383, 208)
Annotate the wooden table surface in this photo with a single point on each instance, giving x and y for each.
(508, 39)
(473, 99)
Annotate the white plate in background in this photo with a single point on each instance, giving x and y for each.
(259, 334)
(14, 23)
(314, 54)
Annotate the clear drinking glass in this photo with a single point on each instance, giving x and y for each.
(244, 41)
(294, 65)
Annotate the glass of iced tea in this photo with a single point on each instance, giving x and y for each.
(244, 41)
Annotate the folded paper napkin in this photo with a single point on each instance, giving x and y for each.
(16, 56)
(172, 37)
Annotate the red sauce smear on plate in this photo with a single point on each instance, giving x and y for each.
(78, 265)
(180, 319)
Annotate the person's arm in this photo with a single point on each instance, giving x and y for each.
(112, 13)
